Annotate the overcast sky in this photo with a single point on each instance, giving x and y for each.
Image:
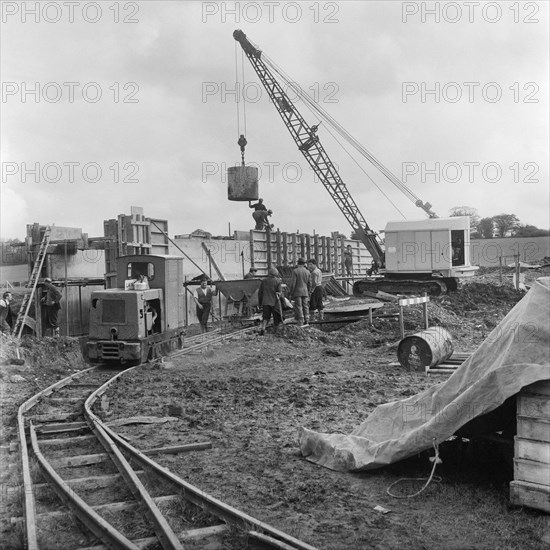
(143, 91)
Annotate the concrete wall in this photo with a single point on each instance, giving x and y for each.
(85, 263)
(75, 305)
(226, 254)
(486, 252)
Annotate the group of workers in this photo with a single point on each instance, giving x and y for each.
(305, 291)
(50, 301)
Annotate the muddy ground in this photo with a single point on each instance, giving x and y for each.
(248, 397)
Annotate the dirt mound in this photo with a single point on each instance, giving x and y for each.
(477, 296)
(41, 356)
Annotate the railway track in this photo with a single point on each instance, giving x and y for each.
(87, 488)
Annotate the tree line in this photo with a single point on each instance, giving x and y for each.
(501, 225)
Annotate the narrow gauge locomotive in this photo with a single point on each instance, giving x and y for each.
(142, 318)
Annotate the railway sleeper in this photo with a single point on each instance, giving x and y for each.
(190, 535)
(98, 482)
(112, 507)
(64, 441)
(62, 428)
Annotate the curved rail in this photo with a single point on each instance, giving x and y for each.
(29, 503)
(263, 535)
(270, 536)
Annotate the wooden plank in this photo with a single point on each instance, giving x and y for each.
(53, 417)
(110, 507)
(533, 428)
(185, 536)
(337, 266)
(65, 441)
(79, 460)
(530, 449)
(531, 495)
(179, 448)
(61, 428)
(412, 301)
(535, 406)
(63, 400)
(531, 471)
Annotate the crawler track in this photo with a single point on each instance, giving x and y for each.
(76, 468)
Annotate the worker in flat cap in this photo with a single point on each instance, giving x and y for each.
(300, 290)
(51, 303)
(252, 273)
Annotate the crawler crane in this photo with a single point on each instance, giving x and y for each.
(419, 256)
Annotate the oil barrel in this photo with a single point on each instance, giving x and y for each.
(242, 183)
(425, 349)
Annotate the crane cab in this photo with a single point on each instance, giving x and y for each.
(434, 247)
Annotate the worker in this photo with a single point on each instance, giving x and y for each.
(300, 290)
(251, 273)
(258, 206)
(6, 316)
(348, 261)
(203, 300)
(269, 299)
(151, 316)
(374, 266)
(261, 219)
(50, 302)
(316, 299)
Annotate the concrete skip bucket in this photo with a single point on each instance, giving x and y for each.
(242, 183)
(425, 349)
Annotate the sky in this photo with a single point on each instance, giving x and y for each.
(107, 105)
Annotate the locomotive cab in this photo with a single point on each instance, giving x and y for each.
(144, 316)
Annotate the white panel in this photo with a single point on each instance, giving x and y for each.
(423, 258)
(441, 250)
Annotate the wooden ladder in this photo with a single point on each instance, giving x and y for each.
(33, 282)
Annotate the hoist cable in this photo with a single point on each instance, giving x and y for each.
(236, 85)
(366, 173)
(242, 94)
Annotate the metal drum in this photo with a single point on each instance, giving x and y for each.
(425, 349)
(242, 183)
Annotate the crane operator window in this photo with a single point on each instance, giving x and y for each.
(139, 270)
(457, 247)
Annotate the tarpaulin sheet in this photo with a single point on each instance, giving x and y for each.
(514, 355)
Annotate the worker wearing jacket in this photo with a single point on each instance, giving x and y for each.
(203, 300)
(300, 290)
(316, 299)
(50, 303)
(269, 299)
(6, 318)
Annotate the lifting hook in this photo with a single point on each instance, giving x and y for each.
(242, 142)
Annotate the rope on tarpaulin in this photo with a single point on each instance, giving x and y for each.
(436, 460)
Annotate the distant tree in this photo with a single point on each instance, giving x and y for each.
(355, 236)
(466, 211)
(485, 229)
(505, 223)
(530, 231)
